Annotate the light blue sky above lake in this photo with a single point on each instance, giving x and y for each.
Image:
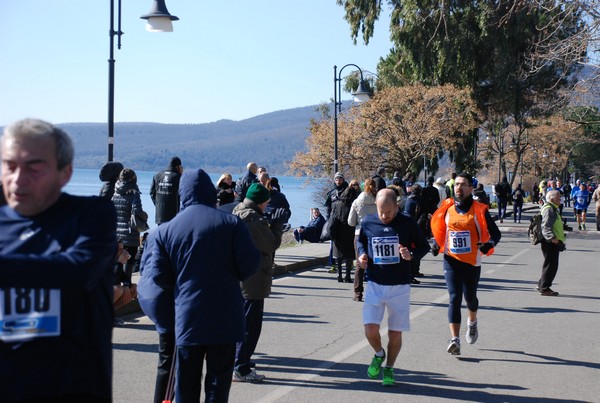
(224, 60)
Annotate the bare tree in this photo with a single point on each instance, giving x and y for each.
(397, 128)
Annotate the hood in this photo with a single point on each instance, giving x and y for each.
(126, 187)
(246, 209)
(110, 171)
(195, 187)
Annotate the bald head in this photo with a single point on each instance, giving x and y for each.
(387, 205)
(252, 167)
(553, 196)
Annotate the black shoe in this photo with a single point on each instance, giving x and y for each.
(340, 280)
(415, 281)
(419, 274)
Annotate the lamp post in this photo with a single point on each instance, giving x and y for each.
(159, 20)
(360, 95)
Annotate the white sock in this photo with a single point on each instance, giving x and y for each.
(381, 353)
(469, 323)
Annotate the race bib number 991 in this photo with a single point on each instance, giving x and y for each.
(28, 313)
(459, 242)
(385, 250)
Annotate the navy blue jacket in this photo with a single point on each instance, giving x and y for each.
(192, 267)
(71, 248)
(409, 235)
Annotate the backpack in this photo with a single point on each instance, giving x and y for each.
(535, 229)
(535, 226)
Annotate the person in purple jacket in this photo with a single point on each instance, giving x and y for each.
(190, 288)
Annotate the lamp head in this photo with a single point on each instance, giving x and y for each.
(361, 94)
(159, 18)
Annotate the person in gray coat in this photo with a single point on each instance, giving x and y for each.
(267, 238)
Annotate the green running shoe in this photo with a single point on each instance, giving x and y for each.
(388, 377)
(375, 366)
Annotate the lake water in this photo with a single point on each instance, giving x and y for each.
(85, 182)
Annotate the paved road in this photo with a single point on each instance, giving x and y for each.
(530, 348)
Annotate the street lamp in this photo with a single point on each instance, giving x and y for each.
(159, 20)
(360, 95)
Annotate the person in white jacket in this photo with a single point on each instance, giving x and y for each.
(361, 207)
(439, 185)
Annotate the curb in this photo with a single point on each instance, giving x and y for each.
(279, 270)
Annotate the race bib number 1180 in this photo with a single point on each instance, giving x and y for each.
(28, 313)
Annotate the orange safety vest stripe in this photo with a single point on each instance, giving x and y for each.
(443, 221)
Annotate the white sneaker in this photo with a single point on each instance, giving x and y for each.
(250, 377)
(472, 333)
(454, 346)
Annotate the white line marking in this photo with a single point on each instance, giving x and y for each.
(332, 361)
(501, 265)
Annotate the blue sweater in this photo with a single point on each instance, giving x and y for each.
(66, 254)
(373, 233)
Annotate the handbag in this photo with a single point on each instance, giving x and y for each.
(326, 231)
(136, 223)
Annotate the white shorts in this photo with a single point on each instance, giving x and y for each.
(397, 300)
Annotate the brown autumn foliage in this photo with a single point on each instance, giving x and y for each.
(556, 137)
(396, 128)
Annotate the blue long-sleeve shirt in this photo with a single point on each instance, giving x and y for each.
(56, 274)
(380, 242)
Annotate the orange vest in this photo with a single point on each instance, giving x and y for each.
(457, 234)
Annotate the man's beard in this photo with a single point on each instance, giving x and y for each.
(458, 201)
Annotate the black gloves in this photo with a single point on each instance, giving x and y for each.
(485, 247)
(435, 249)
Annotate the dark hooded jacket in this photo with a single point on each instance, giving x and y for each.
(127, 201)
(109, 174)
(192, 268)
(242, 185)
(342, 234)
(164, 193)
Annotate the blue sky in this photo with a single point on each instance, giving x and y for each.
(224, 60)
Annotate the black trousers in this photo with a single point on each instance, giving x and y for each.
(166, 349)
(550, 265)
(219, 368)
(254, 311)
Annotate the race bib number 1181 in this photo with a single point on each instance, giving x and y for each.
(28, 313)
(385, 250)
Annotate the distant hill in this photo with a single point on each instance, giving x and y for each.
(270, 140)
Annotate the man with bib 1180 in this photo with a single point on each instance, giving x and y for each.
(463, 230)
(386, 244)
(56, 257)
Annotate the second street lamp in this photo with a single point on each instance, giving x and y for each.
(360, 95)
(159, 20)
